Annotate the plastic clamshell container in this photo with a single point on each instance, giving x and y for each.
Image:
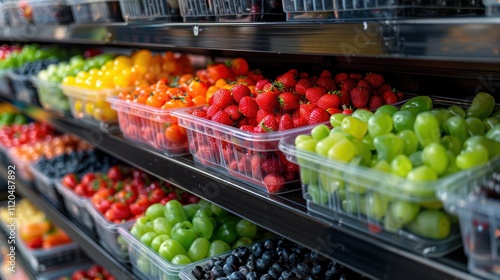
(75, 206)
(45, 186)
(51, 96)
(5, 84)
(236, 152)
(149, 10)
(146, 125)
(23, 89)
(91, 106)
(325, 10)
(479, 218)
(96, 11)
(41, 259)
(108, 235)
(50, 12)
(231, 10)
(146, 263)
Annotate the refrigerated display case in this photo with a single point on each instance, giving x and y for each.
(454, 56)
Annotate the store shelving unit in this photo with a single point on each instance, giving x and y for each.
(468, 42)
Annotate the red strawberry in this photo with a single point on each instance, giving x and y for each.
(266, 101)
(332, 111)
(272, 87)
(383, 88)
(314, 94)
(291, 167)
(288, 101)
(340, 77)
(375, 102)
(248, 107)
(233, 112)
(239, 91)
(222, 98)
(211, 111)
(261, 113)
(346, 110)
(326, 82)
(318, 115)
(223, 118)
(345, 99)
(199, 113)
(348, 85)
(400, 95)
(247, 128)
(259, 86)
(287, 80)
(330, 100)
(306, 109)
(359, 97)
(364, 84)
(356, 76)
(269, 124)
(298, 120)
(302, 85)
(285, 122)
(274, 182)
(325, 73)
(272, 165)
(375, 80)
(389, 97)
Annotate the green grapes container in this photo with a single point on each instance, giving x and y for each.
(51, 96)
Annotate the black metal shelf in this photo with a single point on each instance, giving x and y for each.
(87, 243)
(455, 39)
(284, 214)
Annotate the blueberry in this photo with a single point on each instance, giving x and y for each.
(316, 270)
(285, 255)
(257, 249)
(269, 244)
(311, 277)
(244, 270)
(237, 276)
(251, 265)
(286, 274)
(242, 253)
(252, 257)
(268, 257)
(273, 273)
(252, 276)
(229, 268)
(198, 272)
(293, 258)
(260, 265)
(276, 266)
(217, 272)
(346, 277)
(302, 268)
(219, 263)
(231, 259)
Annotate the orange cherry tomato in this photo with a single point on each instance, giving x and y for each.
(197, 87)
(239, 66)
(174, 134)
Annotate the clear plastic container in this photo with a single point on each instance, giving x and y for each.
(231, 10)
(23, 89)
(479, 218)
(3, 15)
(91, 106)
(241, 154)
(187, 272)
(5, 84)
(326, 10)
(146, 125)
(41, 259)
(45, 186)
(64, 272)
(96, 11)
(51, 96)
(360, 197)
(50, 12)
(148, 10)
(75, 206)
(146, 263)
(18, 13)
(107, 232)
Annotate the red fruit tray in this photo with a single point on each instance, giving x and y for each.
(253, 158)
(147, 125)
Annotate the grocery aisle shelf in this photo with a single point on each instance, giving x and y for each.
(91, 248)
(453, 39)
(284, 214)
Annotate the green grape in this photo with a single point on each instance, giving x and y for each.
(148, 237)
(441, 115)
(379, 124)
(364, 151)
(181, 260)
(475, 126)
(452, 144)
(410, 141)
(368, 140)
(492, 146)
(401, 165)
(404, 211)
(354, 126)
(387, 109)
(434, 224)
(308, 145)
(344, 150)
(350, 206)
(323, 146)
(421, 174)
(320, 131)
(404, 120)
(336, 119)
(318, 195)
(472, 156)
(452, 164)
(390, 223)
(301, 138)
(388, 146)
(330, 179)
(362, 114)
(427, 128)
(382, 166)
(375, 205)
(160, 225)
(457, 111)
(434, 155)
(416, 159)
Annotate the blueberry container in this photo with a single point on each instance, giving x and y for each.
(96, 11)
(75, 206)
(46, 186)
(23, 88)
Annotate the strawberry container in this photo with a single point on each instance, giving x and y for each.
(50, 12)
(108, 235)
(147, 125)
(149, 10)
(479, 218)
(253, 158)
(23, 89)
(96, 11)
(46, 186)
(64, 272)
(91, 106)
(75, 207)
(51, 96)
(231, 10)
(41, 259)
(324, 10)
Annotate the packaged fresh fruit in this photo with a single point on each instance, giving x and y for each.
(379, 171)
(95, 272)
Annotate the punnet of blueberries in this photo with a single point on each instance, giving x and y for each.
(75, 162)
(32, 68)
(273, 259)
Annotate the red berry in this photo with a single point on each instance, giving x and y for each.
(233, 112)
(364, 84)
(248, 107)
(288, 101)
(285, 122)
(223, 118)
(340, 77)
(375, 80)
(239, 91)
(389, 97)
(272, 165)
(326, 82)
(330, 100)
(302, 85)
(266, 101)
(269, 124)
(222, 98)
(287, 80)
(348, 85)
(274, 182)
(259, 86)
(359, 97)
(314, 94)
(305, 110)
(318, 115)
(375, 102)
